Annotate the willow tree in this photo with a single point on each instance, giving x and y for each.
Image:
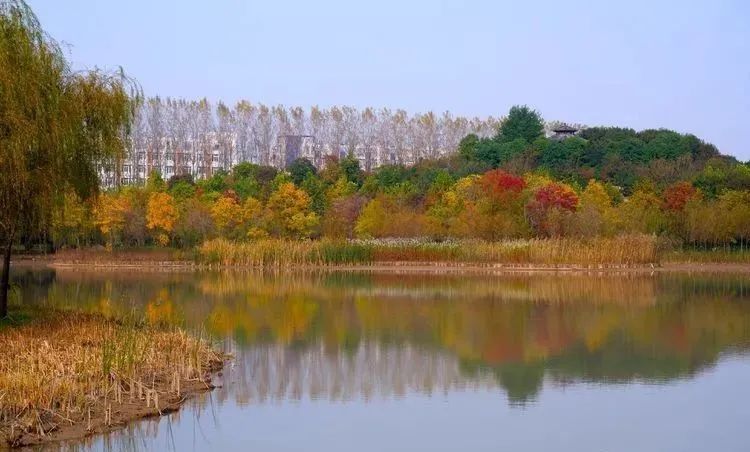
(57, 128)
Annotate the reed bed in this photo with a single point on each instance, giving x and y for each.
(621, 251)
(67, 375)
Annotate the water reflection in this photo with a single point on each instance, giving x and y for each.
(345, 336)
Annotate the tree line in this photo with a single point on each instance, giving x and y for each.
(455, 197)
(196, 137)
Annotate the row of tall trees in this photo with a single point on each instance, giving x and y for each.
(187, 133)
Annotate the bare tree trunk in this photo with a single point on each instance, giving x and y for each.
(5, 280)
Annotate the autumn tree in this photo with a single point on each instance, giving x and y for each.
(550, 207)
(499, 210)
(677, 196)
(135, 230)
(289, 211)
(390, 215)
(455, 213)
(443, 216)
(340, 217)
(641, 211)
(194, 223)
(595, 215)
(110, 216)
(56, 127)
(253, 218)
(227, 215)
(675, 199)
(161, 215)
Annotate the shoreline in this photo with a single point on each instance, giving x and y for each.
(119, 417)
(393, 266)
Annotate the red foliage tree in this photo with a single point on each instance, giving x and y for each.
(499, 182)
(677, 196)
(548, 207)
(556, 195)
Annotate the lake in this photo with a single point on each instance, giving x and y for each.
(337, 361)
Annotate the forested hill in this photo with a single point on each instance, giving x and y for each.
(619, 156)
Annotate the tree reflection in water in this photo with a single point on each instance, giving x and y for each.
(344, 336)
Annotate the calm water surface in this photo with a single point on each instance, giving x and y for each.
(373, 362)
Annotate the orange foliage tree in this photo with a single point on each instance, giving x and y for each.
(161, 216)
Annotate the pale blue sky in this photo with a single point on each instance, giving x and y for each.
(684, 65)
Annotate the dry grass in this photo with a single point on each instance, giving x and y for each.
(273, 253)
(69, 374)
(626, 250)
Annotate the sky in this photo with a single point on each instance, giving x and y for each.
(683, 65)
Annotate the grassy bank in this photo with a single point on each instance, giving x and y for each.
(66, 375)
(629, 250)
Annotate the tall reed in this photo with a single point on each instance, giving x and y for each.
(623, 250)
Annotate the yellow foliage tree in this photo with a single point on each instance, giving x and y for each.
(443, 215)
(372, 219)
(252, 211)
(161, 216)
(641, 212)
(289, 212)
(109, 216)
(387, 216)
(595, 215)
(228, 216)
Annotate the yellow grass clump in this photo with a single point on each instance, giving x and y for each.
(66, 375)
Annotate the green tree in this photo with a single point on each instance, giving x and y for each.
(494, 153)
(521, 122)
(467, 146)
(316, 189)
(351, 170)
(300, 169)
(57, 126)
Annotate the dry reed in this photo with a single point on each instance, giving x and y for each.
(81, 373)
(625, 250)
